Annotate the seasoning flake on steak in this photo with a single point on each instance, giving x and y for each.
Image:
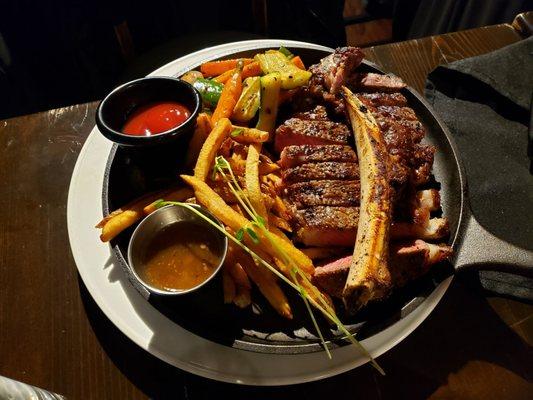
(321, 170)
(300, 131)
(323, 193)
(292, 156)
(327, 225)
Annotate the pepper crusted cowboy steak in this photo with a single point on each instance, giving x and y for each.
(298, 131)
(321, 170)
(320, 186)
(292, 156)
(323, 193)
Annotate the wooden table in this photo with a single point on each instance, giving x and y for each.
(53, 335)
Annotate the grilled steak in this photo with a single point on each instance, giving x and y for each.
(382, 99)
(323, 193)
(297, 131)
(318, 113)
(322, 170)
(292, 156)
(326, 225)
(371, 82)
(334, 70)
(330, 74)
(408, 261)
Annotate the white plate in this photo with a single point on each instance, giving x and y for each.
(157, 334)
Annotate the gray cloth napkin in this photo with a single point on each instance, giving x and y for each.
(485, 102)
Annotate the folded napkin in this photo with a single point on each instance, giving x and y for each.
(485, 102)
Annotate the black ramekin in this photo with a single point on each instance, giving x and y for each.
(114, 110)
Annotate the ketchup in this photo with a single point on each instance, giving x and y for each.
(154, 118)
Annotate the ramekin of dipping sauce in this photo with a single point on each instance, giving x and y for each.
(149, 111)
(174, 251)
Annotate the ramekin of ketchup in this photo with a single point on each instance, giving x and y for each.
(155, 118)
(149, 111)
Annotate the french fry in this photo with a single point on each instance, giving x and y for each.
(279, 233)
(280, 208)
(127, 215)
(279, 222)
(243, 287)
(119, 223)
(266, 168)
(201, 132)
(265, 280)
(209, 150)
(180, 194)
(228, 286)
(312, 291)
(242, 134)
(214, 203)
(252, 181)
(238, 165)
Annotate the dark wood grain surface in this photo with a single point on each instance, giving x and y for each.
(52, 334)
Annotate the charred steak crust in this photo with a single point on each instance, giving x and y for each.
(326, 192)
(326, 225)
(382, 99)
(296, 131)
(292, 156)
(319, 171)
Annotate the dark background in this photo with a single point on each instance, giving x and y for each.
(58, 53)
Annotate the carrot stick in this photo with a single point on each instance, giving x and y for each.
(223, 78)
(252, 69)
(298, 62)
(214, 68)
(229, 97)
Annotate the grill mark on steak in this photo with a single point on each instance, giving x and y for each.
(318, 113)
(321, 170)
(327, 226)
(332, 71)
(382, 99)
(372, 82)
(292, 156)
(296, 131)
(326, 193)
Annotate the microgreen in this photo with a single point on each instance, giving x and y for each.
(236, 132)
(258, 229)
(286, 52)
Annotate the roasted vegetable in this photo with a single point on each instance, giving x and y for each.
(249, 101)
(369, 277)
(270, 87)
(191, 76)
(229, 96)
(252, 69)
(291, 76)
(209, 90)
(214, 68)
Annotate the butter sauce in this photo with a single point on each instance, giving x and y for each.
(179, 258)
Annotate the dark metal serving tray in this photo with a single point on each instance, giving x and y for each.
(259, 328)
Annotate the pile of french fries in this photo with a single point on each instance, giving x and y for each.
(269, 80)
(259, 177)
